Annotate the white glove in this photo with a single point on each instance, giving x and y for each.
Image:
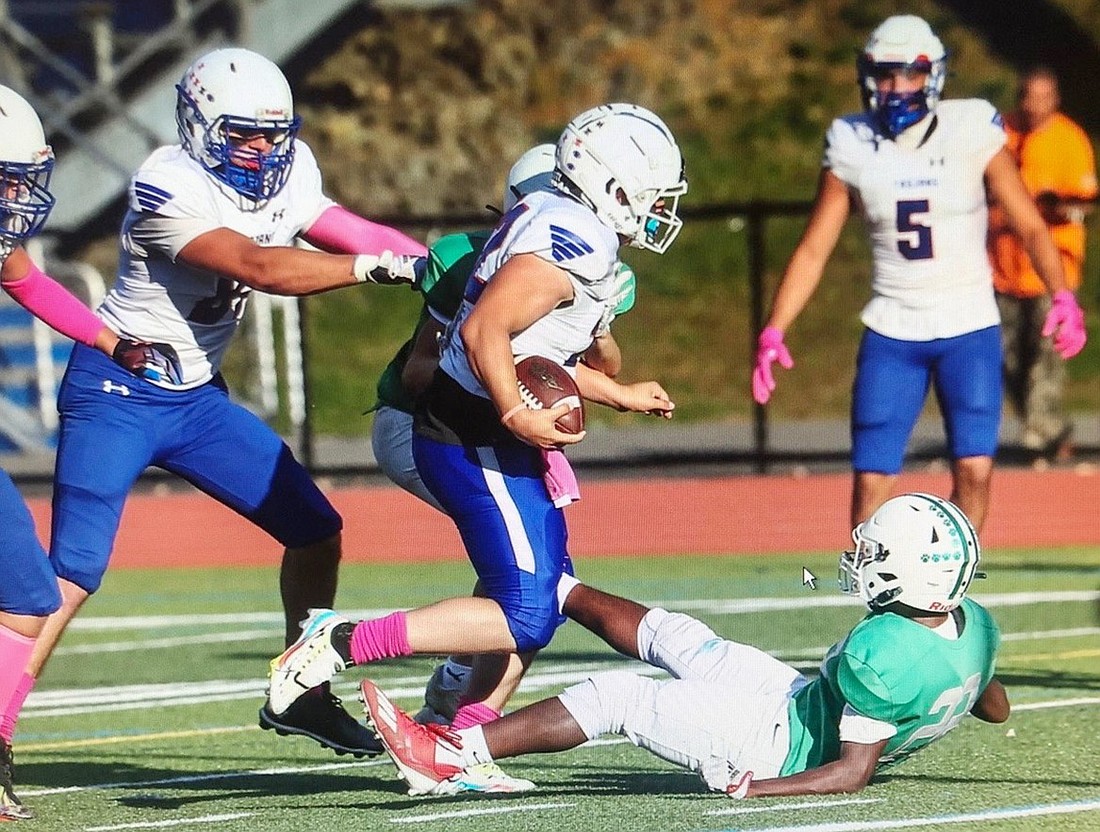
(389, 269)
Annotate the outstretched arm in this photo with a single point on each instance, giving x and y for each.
(52, 303)
(801, 277)
(340, 231)
(850, 773)
(807, 263)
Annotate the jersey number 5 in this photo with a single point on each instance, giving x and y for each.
(915, 242)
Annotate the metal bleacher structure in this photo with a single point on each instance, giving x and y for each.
(101, 74)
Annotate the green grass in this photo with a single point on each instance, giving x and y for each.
(203, 764)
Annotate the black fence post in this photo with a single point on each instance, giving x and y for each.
(756, 219)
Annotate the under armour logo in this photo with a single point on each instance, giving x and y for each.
(934, 162)
(108, 387)
(276, 216)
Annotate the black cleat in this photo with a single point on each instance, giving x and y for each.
(319, 716)
(11, 807)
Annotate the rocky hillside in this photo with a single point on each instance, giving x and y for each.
(423, 112)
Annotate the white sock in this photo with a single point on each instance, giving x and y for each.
(474, 750)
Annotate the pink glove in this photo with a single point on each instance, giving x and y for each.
(1066, 322)
(770, 348)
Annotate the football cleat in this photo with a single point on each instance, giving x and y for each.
(11, 807)
(441, 696)
(310, 661)
(484, 777)
(411, 746)
(320, 717)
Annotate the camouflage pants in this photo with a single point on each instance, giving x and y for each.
(1034, 374)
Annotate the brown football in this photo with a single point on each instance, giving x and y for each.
(544, 383)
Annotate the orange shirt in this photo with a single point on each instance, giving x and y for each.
(1057, 157)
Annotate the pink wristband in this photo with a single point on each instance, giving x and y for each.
(504, 419)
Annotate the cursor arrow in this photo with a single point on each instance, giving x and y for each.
(808, 578)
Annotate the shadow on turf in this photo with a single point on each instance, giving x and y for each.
(965, 781)
(1047, 679)
(582, 781)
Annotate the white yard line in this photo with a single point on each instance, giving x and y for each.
(985, 816)
(184, 779)
(787, 807)
(163, 824)
(715, 605)
(284, 771)
(473, 813)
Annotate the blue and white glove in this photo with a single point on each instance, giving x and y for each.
(156, 362)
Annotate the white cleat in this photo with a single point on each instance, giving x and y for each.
(307, 663)
(486, 777)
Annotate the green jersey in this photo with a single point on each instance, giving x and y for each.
(894, 670)
(450, 261)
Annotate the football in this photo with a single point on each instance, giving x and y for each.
(545, 383)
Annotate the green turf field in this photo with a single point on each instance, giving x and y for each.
(145, 718)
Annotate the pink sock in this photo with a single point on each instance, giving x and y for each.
(471, 714)
(15, 705)
(380, 638)
(15, 652)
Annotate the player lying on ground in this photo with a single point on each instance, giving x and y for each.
(748, 724)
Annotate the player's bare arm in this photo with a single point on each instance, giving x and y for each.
(423, 359)
(1005, 187)
(992, 705)
(277, 270)
(640, 397)
(830, 211)
(850, 773)
(604, 355)
(524, 290)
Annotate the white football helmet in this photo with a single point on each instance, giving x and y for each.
(238, 93)
(531, 172)
(916, 549)
(901, 42)
(26, 162)
(622, 161)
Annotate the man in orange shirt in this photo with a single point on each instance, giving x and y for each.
(1056, 162)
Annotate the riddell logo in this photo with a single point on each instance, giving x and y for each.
(936, 606)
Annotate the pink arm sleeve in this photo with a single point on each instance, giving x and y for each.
(48, 300)
(340, 231)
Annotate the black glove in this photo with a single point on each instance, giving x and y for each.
(152, 361)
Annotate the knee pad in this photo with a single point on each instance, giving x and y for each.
(602, 704)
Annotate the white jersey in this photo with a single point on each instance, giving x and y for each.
(925, 211)
(173, 200)
(566, 234)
